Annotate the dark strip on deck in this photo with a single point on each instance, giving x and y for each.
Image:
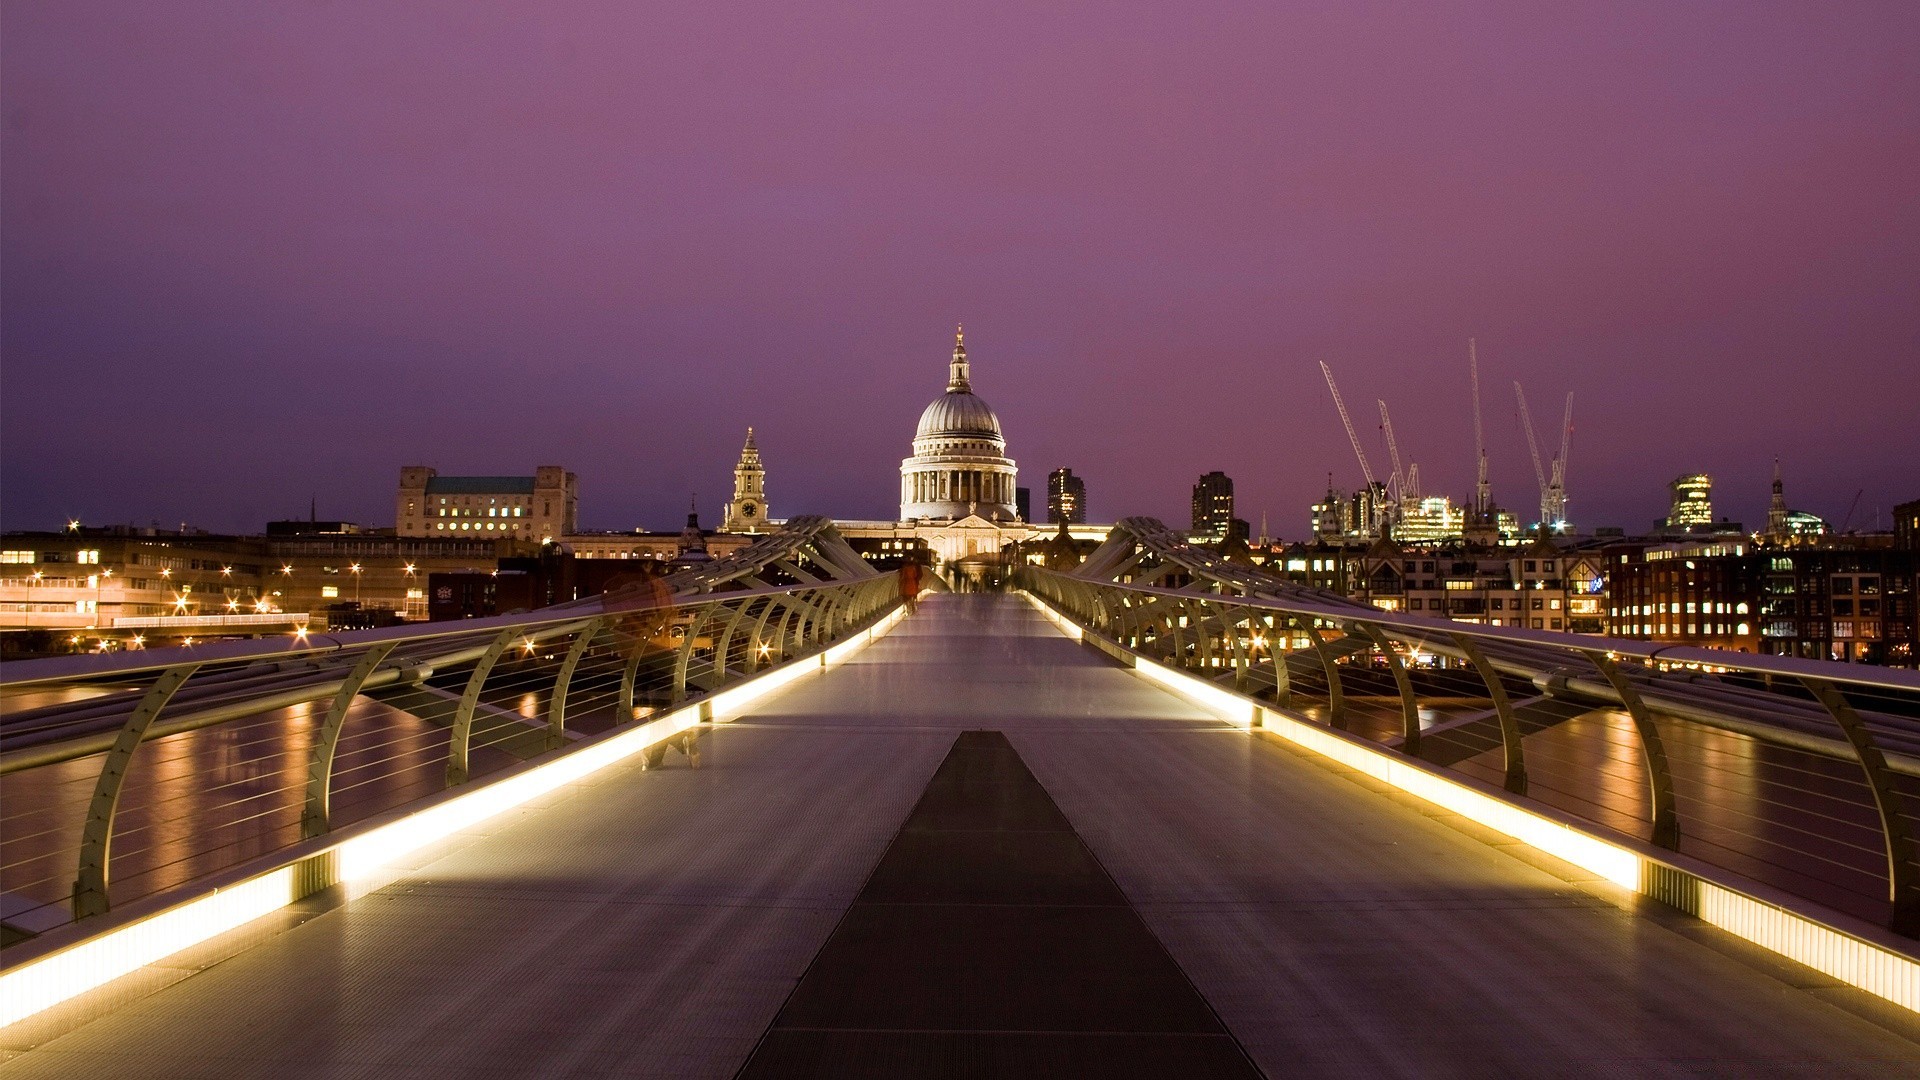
(989, 942)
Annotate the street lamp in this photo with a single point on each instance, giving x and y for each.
(356, 583)
(99, 586)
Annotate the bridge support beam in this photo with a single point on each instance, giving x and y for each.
(314, 819)
(458, 768)
(557, 705)
(1409, 706)
(96, 836)
(1514, 756)
(1666, 820)
(1903, 883)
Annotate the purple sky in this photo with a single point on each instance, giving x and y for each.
(253, 252)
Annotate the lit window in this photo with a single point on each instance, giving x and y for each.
(16, 556)
(329, 590)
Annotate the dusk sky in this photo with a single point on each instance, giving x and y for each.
(256, 253)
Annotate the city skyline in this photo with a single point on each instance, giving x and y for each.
(598, 250)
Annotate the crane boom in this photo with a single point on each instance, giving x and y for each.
(1399, 479)
(1366, 470)
(1560, 462)
(1482, 492)
(1358, 452)
(1533, 447)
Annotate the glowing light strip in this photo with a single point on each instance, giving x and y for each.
(52, 979)
(1879, 971)
(40, 984)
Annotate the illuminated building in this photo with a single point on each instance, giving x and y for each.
(959, 468)
(1692, 501)
(1432, 520)
(1066, 498)
(747, 510)
(538, 508)
(1213, 505)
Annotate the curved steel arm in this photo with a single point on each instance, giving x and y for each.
(1666, 821)
(1903, 883)
(314, 817)
(1515, 759)
(96, 836)
(1409, 707)
(457, 763)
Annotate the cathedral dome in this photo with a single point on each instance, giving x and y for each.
(958, 414)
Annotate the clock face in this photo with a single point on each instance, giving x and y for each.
(747, 509)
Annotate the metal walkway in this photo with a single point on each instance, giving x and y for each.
(654, 923)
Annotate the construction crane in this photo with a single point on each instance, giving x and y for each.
(1533, 447)
(1557, 489)
(1366, 470)
(1405, 485)
(1397, 483)
(1482, 492)
(1553, 487)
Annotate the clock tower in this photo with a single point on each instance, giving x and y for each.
(747, 512)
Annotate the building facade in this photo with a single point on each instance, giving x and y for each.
(538, 508)
(1066, 498)
(1213, 505)
(1691, 501)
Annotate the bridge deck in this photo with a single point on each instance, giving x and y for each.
(656, 923)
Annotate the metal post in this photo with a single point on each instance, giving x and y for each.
(1336, 695)
(1903, 885)
(1409, 707)
(457, 761)
(725, 643)
(557, 704)
(759, 634)
(1282, 660)
(1196, 622)
(686, 653)
(96, 836)
(313, 818)
(1666, 822)
(1515, 759)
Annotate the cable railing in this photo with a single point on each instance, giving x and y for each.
(1801, 775)
(128, 775)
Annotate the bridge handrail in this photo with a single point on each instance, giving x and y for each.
(1249, 635)
(524, 683)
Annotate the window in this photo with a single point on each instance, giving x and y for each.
(87, 556)
(1842, 607)
(1842, 628)
(330, 590)
(16, 556)
(1538, 603)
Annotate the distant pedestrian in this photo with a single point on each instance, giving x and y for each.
(910, 585)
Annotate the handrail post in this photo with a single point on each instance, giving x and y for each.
(1666, 821)
(1514, 755)
(1409, 706)
(1336, 695)
(557, 704)
(458, 764)
(686, 654)
(96, 836)
(314, 820)
(1903, 885)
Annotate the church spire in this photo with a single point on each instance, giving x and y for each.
(957, 380)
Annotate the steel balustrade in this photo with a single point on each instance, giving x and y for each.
(1800, 774)
(486, 691)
